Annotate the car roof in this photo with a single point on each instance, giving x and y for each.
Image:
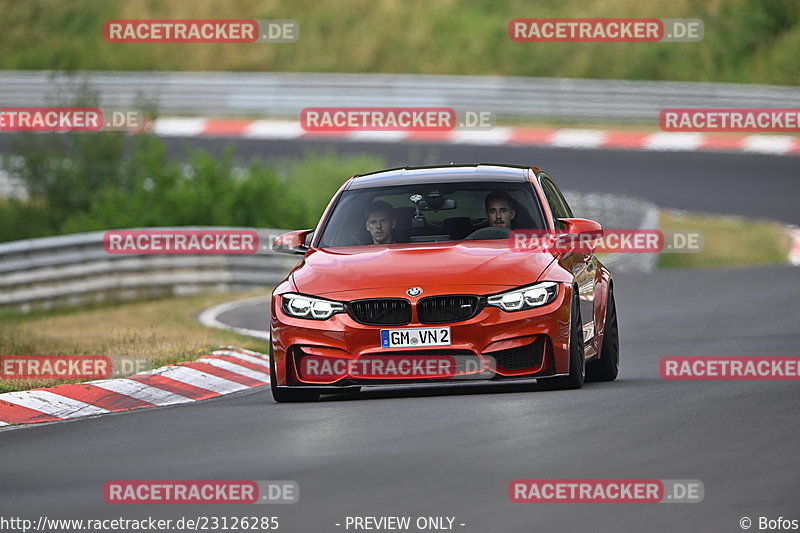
(440, 174)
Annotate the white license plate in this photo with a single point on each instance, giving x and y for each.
(397, 338)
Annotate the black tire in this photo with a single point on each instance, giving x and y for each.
(577, 362)
(288, 395)
(607, 367)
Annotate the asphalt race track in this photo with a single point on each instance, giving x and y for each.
(751, 185)
(452, 451)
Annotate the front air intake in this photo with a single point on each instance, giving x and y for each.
(444, 309)
(381, 311)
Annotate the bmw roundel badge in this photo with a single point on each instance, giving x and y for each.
(414, 291)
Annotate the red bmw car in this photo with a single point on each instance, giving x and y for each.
(413, 276)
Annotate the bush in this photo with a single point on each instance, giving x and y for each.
(86, 182)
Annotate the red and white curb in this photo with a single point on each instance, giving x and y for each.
(225, 371)
(506, 136)
(794, 251)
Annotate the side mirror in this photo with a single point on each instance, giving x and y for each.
(294, 242)
(582, 226)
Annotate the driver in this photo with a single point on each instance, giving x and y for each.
(499, 209)
(380, 221)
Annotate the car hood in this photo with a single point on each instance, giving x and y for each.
(489, 266)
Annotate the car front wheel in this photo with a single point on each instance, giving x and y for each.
(607, 367)
(577, 362)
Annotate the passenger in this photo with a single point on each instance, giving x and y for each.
(380, 221)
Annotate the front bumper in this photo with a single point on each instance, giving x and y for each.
(493, 344)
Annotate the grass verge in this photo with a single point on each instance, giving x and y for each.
(744, 40)
(727, 241)
(164, 331)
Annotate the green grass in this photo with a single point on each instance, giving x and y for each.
(727, 241)
(745, 41)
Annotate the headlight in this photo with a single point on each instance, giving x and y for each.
(535, 295)
(300, 306)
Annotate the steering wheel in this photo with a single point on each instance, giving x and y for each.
(492, 232)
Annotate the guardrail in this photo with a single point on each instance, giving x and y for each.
(74, 269)
(286, 94)
(615, 211)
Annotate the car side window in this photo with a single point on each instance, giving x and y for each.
(558, 205)
(567, 210)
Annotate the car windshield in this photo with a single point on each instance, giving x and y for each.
(431, 212)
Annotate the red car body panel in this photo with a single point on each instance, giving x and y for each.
(327, 272)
